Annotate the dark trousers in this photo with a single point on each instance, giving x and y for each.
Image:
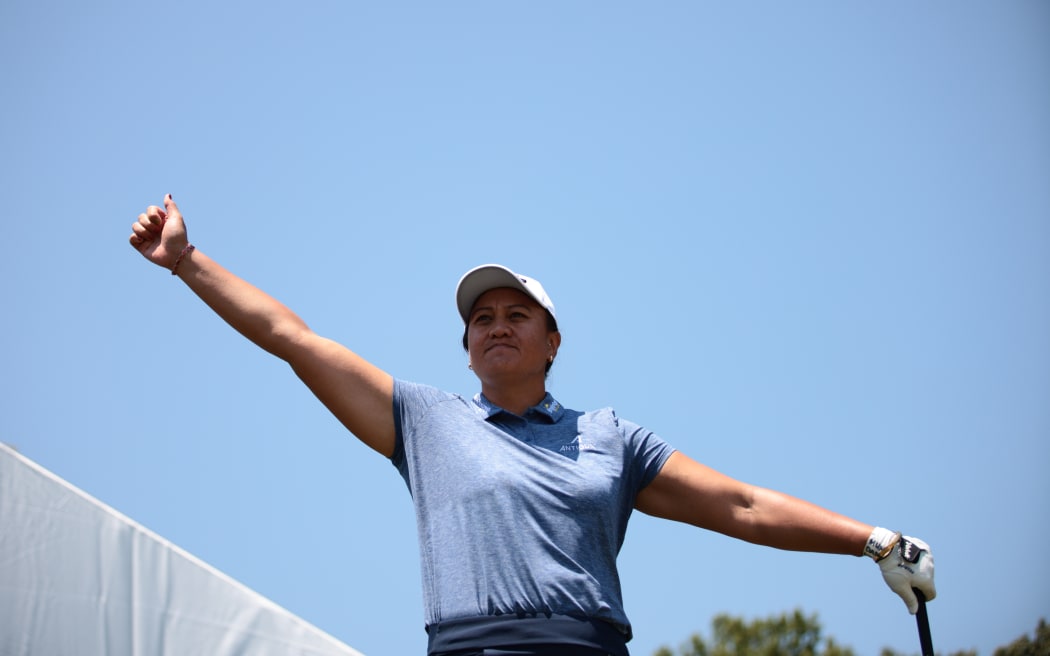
(531, 650)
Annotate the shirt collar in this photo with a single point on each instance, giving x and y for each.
(548, 407)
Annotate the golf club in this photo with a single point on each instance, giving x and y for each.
(923, 620)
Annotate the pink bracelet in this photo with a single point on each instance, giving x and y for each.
(186, 251)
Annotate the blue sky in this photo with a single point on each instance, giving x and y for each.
(809, 245)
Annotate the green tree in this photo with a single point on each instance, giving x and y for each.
(796, 634)
(1024, 646)
(788, 634)
(886, 651)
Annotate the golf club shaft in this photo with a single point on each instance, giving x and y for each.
(923, 620)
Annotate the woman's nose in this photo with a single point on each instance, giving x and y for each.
(499, 328)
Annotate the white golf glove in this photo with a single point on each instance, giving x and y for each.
(906, 563)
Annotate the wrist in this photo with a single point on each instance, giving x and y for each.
(183, 255)
(881, 543)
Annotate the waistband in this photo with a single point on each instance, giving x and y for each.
(508, 631)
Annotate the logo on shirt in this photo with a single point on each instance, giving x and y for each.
(577, 445)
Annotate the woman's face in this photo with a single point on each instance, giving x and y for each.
(507, 337)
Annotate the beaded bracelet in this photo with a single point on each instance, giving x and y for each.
(185, 251)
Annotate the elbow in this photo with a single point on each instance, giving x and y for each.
(746, 519)
(285, 339)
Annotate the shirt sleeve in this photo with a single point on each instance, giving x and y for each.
(411, 401)
(647, 452)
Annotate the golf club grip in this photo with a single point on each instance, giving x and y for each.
(923, 620)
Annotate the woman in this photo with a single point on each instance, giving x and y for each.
(519, 539)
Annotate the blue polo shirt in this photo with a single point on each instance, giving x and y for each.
(520, 519)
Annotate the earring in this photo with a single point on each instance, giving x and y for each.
(470, 366)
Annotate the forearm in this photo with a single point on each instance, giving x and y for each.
(690, 492)
(251, 311)
(779, 520)
(687, 491)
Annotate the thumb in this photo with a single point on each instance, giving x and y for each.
(174, 227)
(172, 209)
(910, 600)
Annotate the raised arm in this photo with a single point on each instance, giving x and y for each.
(358, 393)
(690, 492)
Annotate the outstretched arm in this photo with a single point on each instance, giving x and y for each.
(358, 393)
(690, 492)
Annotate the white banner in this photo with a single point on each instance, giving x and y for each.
(77, 578)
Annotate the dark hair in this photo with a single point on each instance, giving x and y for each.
(552, 327)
